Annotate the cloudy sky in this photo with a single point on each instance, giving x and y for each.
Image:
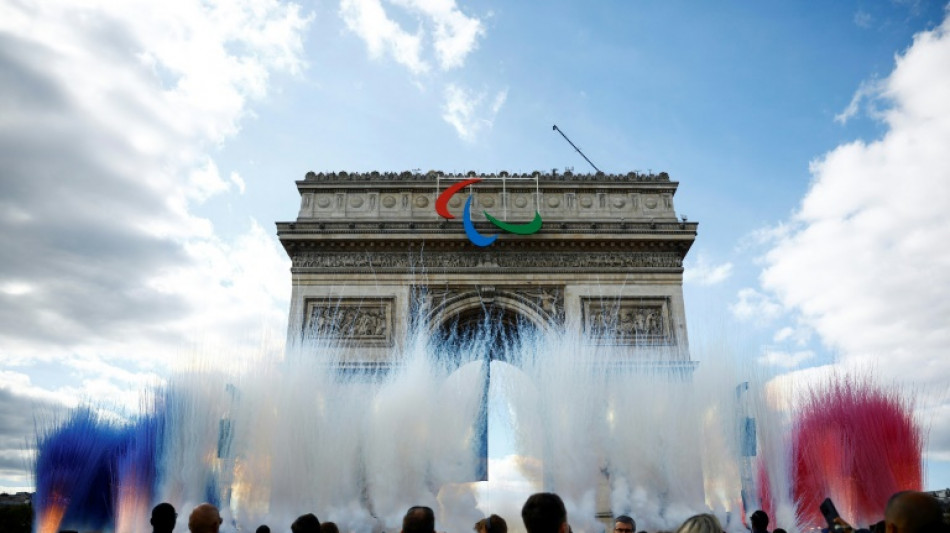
(146, 150)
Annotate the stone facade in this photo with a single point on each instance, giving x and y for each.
(371, 257)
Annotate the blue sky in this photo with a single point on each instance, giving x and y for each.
(146, 152)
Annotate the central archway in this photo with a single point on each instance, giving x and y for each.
(497, 326)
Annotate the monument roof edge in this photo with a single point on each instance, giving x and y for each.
(547, 177)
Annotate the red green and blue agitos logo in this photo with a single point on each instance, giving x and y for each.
(478, 239)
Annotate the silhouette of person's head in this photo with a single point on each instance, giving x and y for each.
(625, 524)
(913, 512)
(204, 519)
(307, 523)
(544, 512)
(492, 524)
(701, 523)
(163, 518)
(418, 519)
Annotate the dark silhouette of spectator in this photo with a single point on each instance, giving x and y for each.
(163, 518)
(759, 521)
(544, 512)
(204, 519)
(329, 527)
(913, 512)
(492, 524)
(625, 524)
(308, 523)
(263, 528)
(418, 519)
(701, 523)
(780, 530)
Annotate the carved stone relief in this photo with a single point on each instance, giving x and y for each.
(627, 321)
(584, 261)
(353, 322)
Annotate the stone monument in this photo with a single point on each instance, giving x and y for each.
(372, 257)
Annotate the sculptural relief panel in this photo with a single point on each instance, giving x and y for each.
(352, 322)
(628, 321)
(437, 260)
(306, 206)
(650, 202)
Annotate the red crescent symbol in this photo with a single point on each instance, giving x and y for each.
(442, 202)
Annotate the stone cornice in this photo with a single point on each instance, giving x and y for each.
(461, 245)
(616, 229)
(408, 177)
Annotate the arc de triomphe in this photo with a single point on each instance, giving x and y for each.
(371, 256)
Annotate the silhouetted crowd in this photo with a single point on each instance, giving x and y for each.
(906, 512)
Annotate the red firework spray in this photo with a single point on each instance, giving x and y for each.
(856, 443)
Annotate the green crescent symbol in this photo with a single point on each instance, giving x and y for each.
(518, 229)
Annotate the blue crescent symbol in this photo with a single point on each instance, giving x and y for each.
(477, 238)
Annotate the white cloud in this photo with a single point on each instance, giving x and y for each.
(205, 182)
(469, 112)
(785, 359)
(16, 288)
(109, 112)
(783, 334)
(866, 93)
(238, 182)
(863, 261)
(862, 19)
(444, 37)
(764, 236)
(453, 35)
(800, 334)
(368, 20)
(704, 272)
(755, 306)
